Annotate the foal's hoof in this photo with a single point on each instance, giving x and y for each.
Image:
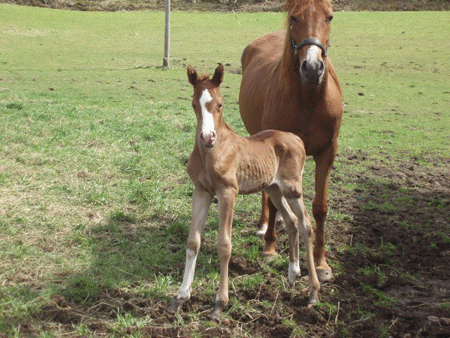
(175, 306)
(215, 314)
(313, 299)
(324, 274)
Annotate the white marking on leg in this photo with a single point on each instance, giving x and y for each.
(207, 117)
(262, 231)
(294, 271)
(189, 270)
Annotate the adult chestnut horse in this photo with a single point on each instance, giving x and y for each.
(289, 83)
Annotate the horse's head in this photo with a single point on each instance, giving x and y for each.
(309, 35)
(207, 104)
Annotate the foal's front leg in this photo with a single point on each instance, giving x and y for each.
(201, 201)
(226, 201)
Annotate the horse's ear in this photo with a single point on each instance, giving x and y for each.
(192, 75)
(218, 75)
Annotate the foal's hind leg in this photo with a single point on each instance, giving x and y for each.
(290, 219)
(266, 225)
(304, 226)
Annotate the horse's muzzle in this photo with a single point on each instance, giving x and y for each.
(209, 139)
(312, 72)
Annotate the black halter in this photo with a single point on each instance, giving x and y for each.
(308, 41)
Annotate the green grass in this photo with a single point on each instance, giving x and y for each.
(94, 136)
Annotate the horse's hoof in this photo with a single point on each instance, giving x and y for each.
(324, 274)
(175, 306)
(268, 255)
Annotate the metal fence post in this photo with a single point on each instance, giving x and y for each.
(167, 36)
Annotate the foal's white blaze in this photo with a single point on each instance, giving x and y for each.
(313, 53)
(207, 118)
(185, 289)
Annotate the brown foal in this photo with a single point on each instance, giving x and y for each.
(226, 164)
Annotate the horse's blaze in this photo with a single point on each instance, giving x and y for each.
(312, 67)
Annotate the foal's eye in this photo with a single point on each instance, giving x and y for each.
(330, 18)
(220, 105)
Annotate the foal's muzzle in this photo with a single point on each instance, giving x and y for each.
(209, 139)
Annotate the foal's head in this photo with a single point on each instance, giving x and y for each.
(207, 104)
(309, 34)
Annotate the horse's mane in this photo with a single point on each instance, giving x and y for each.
(296, 7)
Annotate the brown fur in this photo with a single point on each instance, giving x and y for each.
(270, 160)
(273, 96)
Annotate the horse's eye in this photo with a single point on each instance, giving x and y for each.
(330, 18)
(220, 105)
(193, 105)
(293, 20)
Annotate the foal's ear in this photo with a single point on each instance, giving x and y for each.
(218, 75)
(192, 75)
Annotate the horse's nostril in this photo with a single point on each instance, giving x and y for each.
(322, 66)
(304, 68)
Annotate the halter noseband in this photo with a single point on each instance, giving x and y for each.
(308, 41)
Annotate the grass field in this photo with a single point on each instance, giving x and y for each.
(95, 200)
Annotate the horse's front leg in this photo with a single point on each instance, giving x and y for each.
(226, 201)
(324, 163)
(201, 201)
(264, 218)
